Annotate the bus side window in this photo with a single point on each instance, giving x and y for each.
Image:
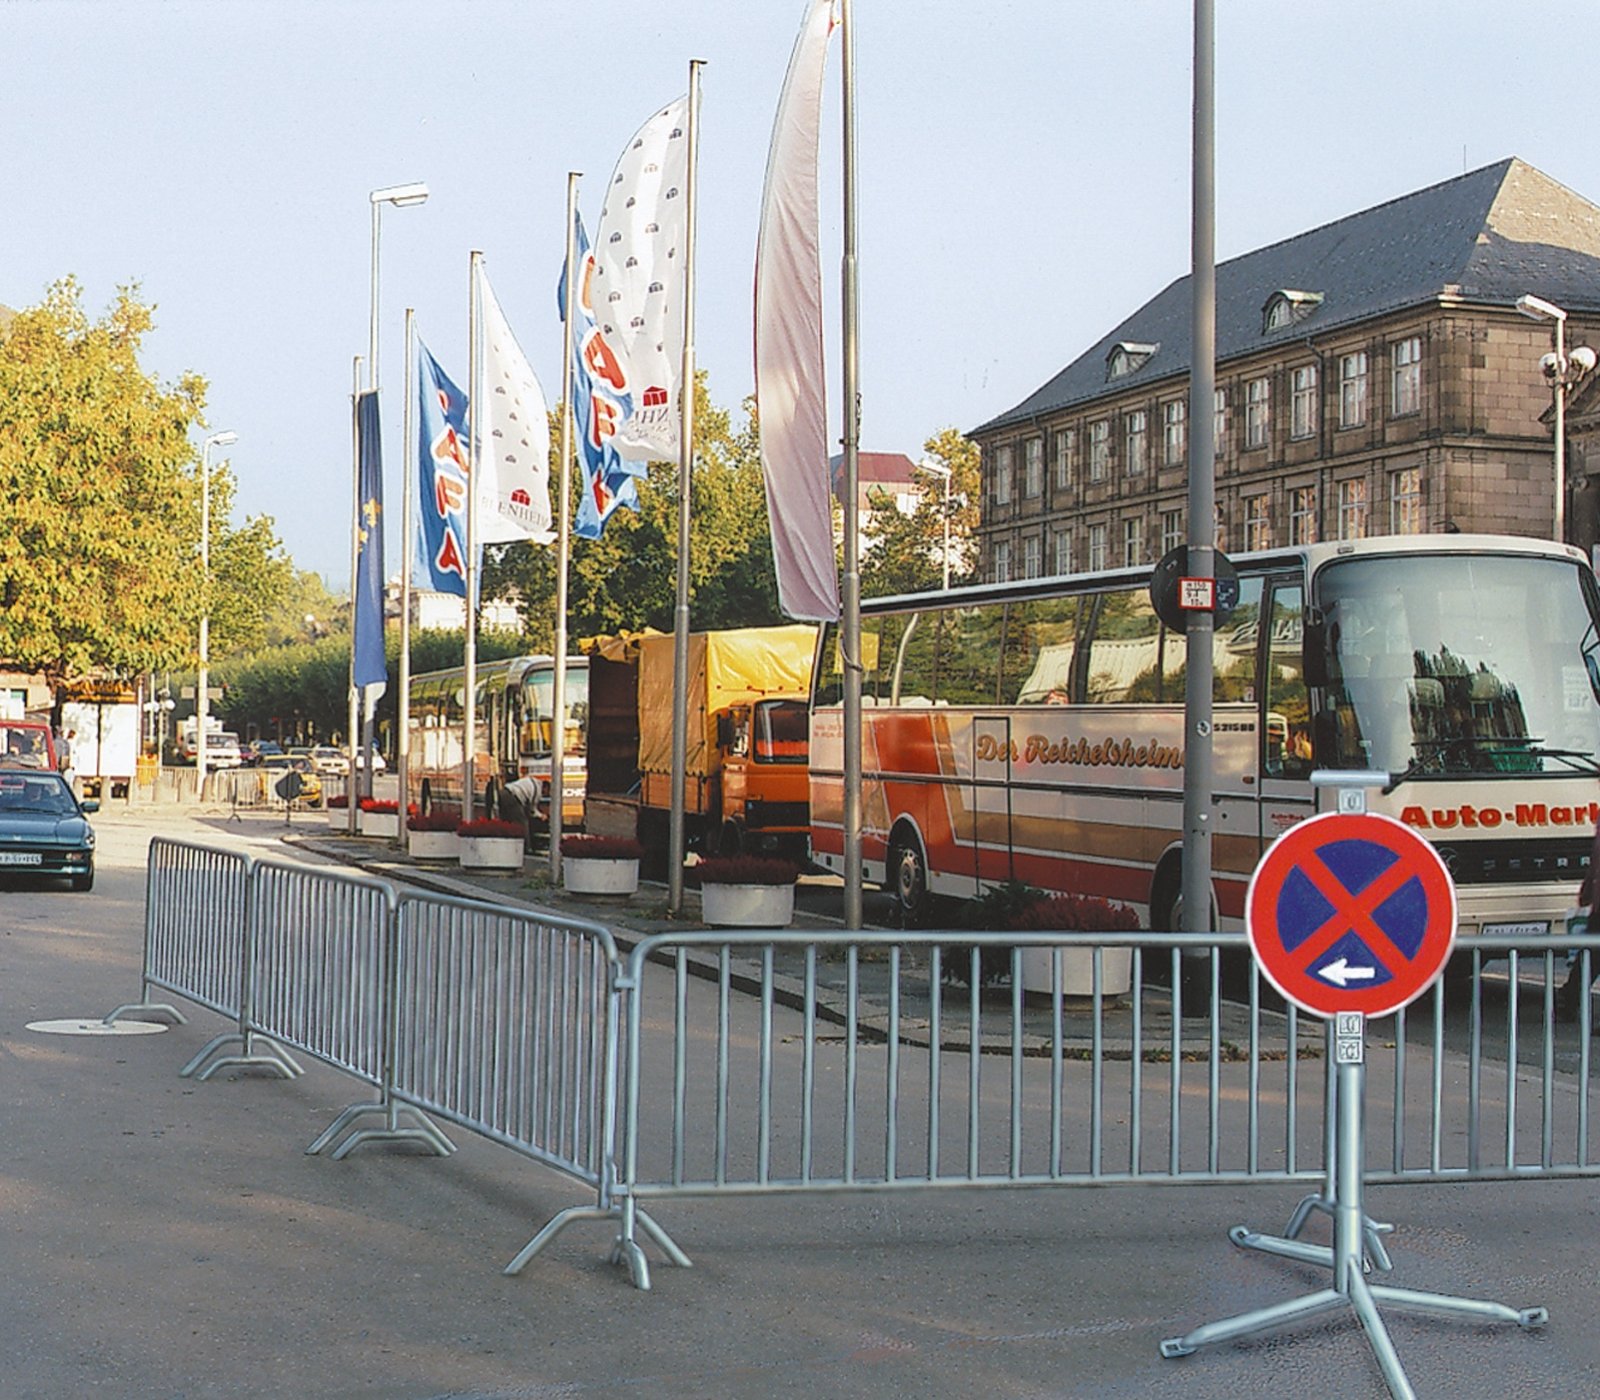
(1287, 735)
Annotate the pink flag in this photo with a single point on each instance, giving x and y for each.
(790, 390)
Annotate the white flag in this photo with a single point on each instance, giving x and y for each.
(790, 391)
(638, 289)
(513, 497)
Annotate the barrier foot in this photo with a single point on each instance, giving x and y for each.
(429, 1136)
(1446, 1305)
(270, 1056)
(1289, 1246)
(424, 1130)
(209, 1049)
(1248, 1324)
(664, 1242)
(559, 1222)
(142, 1009)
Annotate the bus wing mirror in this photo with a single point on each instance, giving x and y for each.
(1315, 649)
(1592, 666)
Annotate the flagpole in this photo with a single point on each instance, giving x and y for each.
(850, 626)
(558, 682)
(408, 467)
(354, 721)
(680, 624)
(469, 702)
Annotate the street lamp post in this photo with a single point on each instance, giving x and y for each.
(927, 464)
(402, 197)
(201, 699)
(1561, 371)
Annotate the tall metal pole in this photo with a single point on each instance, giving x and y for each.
(680, 615)
(558, 681)
(408, 469)
(469, 702)
(354, 718)
(361, 747)
(372, 301)
(850, 624)
(201, 691)
(1561, 429)
(1197, 767)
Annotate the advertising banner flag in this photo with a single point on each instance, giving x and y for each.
(638, 293)
(368, 665)
(790, 369)
(442, 474)
(598, 405)
(514, 463)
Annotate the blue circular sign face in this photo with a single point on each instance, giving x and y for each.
(1351, 912)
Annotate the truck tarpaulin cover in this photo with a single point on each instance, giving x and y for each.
(725, 668)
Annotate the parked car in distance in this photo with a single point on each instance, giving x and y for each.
(258, 749)
(223, 751)
(274, 765)
(327, 759)
(44, 829)
(27, 743)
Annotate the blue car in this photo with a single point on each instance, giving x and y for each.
(43, 828)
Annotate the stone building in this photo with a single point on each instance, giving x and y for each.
(1373, 376)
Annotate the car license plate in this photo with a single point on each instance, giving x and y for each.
(1539, 928)
(21, 858)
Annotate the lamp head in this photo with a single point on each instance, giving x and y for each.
(222, 439)
(1538, 309)
(402, 196)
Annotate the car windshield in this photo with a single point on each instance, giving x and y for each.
(1458, 665)
(48, 795)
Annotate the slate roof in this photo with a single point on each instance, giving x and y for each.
(1487, 236)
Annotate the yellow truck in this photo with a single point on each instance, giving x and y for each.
(745, 776)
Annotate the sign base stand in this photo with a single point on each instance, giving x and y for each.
(1351, 1228)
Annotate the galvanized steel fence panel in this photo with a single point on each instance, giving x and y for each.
(506, 1023)
(196, 912)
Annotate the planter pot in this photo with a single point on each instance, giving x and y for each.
(490, 852)
(1077, 971)
(584, 876)
(747, 906)
(338, 818)
(380, 824)
(433, 845)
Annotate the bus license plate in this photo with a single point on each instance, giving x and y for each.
(1534, 929)
(21, 858)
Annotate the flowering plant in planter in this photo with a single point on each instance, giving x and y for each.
(743, 870)
(579, 847)
(440, 819)
(1016, 908)
(489, 826)
(387, 806)
(339, 800)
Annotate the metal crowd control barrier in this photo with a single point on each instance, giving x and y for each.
(850, 1063)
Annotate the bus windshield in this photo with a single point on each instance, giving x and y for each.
(1456, 666)
(537, 712)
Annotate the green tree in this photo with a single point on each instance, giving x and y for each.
(98, 491)
(905, 553)
(251, 576)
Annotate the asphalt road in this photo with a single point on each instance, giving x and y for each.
(171, 1239)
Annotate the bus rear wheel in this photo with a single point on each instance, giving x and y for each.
(908, 880)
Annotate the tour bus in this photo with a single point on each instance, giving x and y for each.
(514, 733)
(1034, 730)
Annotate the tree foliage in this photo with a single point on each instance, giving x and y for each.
(905, 553)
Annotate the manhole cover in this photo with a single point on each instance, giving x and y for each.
(85, 1027)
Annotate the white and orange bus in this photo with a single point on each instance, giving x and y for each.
(1034, 730)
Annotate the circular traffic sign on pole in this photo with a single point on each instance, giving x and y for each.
(1351, 911)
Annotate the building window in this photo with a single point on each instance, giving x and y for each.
(1133, 426)
(1352, 510)
(1303, 515)
(1097, 547)
(1002, 561)
(1353, 389)
(1171, 530)
(1406, 356)
(1099, 449)
(1062, 548)
(1032, 556)
(1303, 401)
(1033, 467)
(1174, 432)
(1257, 522)
(1002, 476)
(1133, 541)
(1127, 356)
(1405, 501)
(1219, 422)
(1066, 450)
(1257, 412)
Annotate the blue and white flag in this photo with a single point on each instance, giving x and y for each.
(368, 666)
(599, 403)
(442, 473)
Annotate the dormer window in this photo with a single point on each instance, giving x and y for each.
(1127, 356)
(1287, 307)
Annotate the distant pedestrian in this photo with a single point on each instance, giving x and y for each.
(64, 743)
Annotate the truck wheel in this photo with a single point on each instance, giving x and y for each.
(908, 880)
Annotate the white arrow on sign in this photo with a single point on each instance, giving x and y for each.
(1341, 973)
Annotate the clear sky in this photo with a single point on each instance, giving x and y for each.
(1024, 177)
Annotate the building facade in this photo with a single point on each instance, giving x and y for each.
(1373, 377)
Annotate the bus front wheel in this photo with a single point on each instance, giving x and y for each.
(908, 880)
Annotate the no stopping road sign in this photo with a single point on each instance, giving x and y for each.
(1351, 912)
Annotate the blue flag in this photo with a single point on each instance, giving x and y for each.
(598, 406)
(442, 475)
(369, 666)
